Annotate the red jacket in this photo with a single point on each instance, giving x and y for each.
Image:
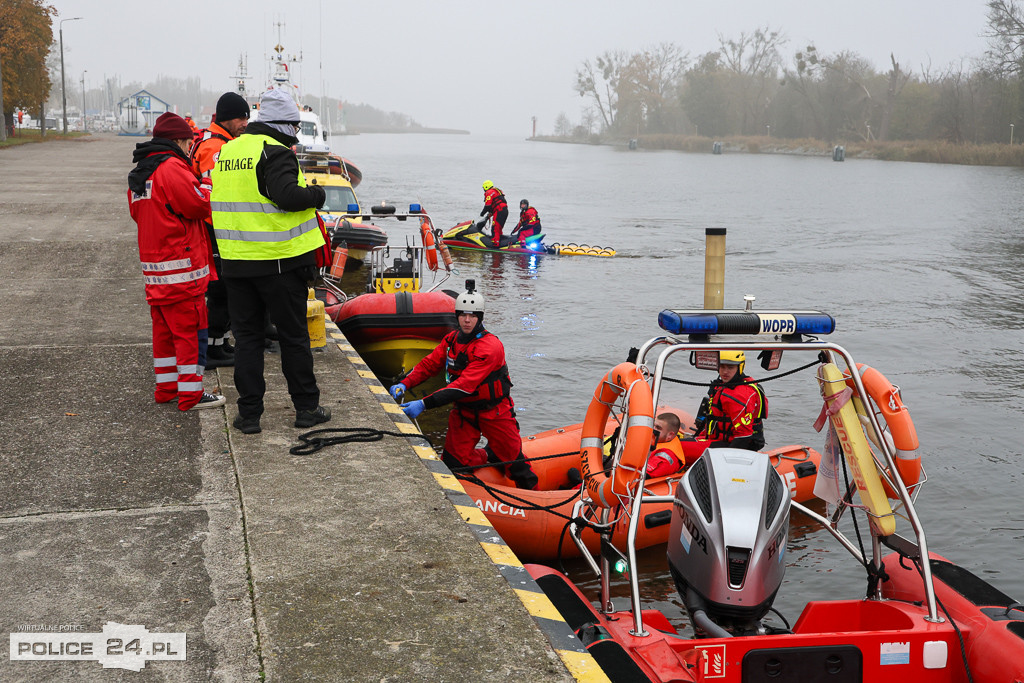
(494, 201)
(475, 370)
(169, 207)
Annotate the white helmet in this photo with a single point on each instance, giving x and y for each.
(470, 301)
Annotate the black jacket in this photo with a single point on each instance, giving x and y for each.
(277, 178)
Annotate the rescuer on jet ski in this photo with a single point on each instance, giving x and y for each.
(478, 386)
(529, 222)
(495, 206)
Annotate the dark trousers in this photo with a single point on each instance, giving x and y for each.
(283, 297)
(217, 297)
(217, 305)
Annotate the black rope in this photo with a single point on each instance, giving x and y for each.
(467, 469)
(311, 443)
(753, 381)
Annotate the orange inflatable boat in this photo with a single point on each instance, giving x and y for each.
(533, 523)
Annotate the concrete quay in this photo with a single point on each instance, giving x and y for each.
(361, 562)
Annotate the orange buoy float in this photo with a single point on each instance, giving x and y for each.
(446, 255)
(887, 400)
(429, 244)
(639, 429)
(338, 261)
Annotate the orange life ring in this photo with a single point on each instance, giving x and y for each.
(897, 419)
(429, 244)
(639, 429)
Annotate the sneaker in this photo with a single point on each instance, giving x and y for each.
(228, 346)
(209, 401)
(247, 425)
(309, 418)
(218, 357)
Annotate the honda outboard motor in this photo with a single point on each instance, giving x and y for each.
(730, 524)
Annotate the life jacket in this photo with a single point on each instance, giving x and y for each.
(193, 152)
(494, 199)
(248, 225)
(492, 390)
(529, 217)
(673, 449)
(719, 426)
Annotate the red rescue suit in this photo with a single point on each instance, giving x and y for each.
(528, 225)
(167, 204)
(478, 386)
(497, 207)
(666, 458)
(735, 418)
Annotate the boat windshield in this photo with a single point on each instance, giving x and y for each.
(308, 128)
(338, 198)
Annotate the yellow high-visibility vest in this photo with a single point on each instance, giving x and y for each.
(249, 226)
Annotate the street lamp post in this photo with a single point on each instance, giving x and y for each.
(85, 126)
(63, 96)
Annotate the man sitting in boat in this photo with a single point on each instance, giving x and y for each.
(529, 222)
(478, 387)
(495, 206)
(733, 413)
(667, 454)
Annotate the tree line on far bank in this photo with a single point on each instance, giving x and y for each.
(751, 86)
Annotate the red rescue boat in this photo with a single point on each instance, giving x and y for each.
(921, 618)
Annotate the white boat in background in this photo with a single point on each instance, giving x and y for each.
(312, 135)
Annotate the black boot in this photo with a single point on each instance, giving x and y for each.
(522, 474)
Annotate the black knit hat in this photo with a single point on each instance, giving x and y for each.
(231, 105)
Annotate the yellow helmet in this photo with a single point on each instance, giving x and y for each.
(488, 184)
(732, 358)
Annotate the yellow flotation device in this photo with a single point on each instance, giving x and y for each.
(581, 250)
(855, 447)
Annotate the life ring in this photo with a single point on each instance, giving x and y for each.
(898, 423)
(429, 244)
(856, 449)
(639, 428)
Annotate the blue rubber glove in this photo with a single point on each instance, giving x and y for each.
(397, 390)
(413, 410)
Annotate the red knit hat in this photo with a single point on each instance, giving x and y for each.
(170, 126)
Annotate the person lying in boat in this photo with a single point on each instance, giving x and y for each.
(529, 222)
(478, 386)
(667, 454)
(732, 415)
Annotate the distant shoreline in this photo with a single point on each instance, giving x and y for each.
(926, 151)
(370, 130)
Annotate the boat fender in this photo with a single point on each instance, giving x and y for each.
(605, 489)
(904, 443)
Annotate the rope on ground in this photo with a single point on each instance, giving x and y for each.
(312, 442)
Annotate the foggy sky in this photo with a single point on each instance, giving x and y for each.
(487, 67)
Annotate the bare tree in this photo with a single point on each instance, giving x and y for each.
(648, 85)
(563, 126)
(754, 59)
(1005, 37)
(600, 81)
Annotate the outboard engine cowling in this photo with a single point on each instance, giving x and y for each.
(730, 525)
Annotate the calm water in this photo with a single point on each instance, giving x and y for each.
(920, 265)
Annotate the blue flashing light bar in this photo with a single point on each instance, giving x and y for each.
(352, 208)
(415, 208)
(746, 322)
